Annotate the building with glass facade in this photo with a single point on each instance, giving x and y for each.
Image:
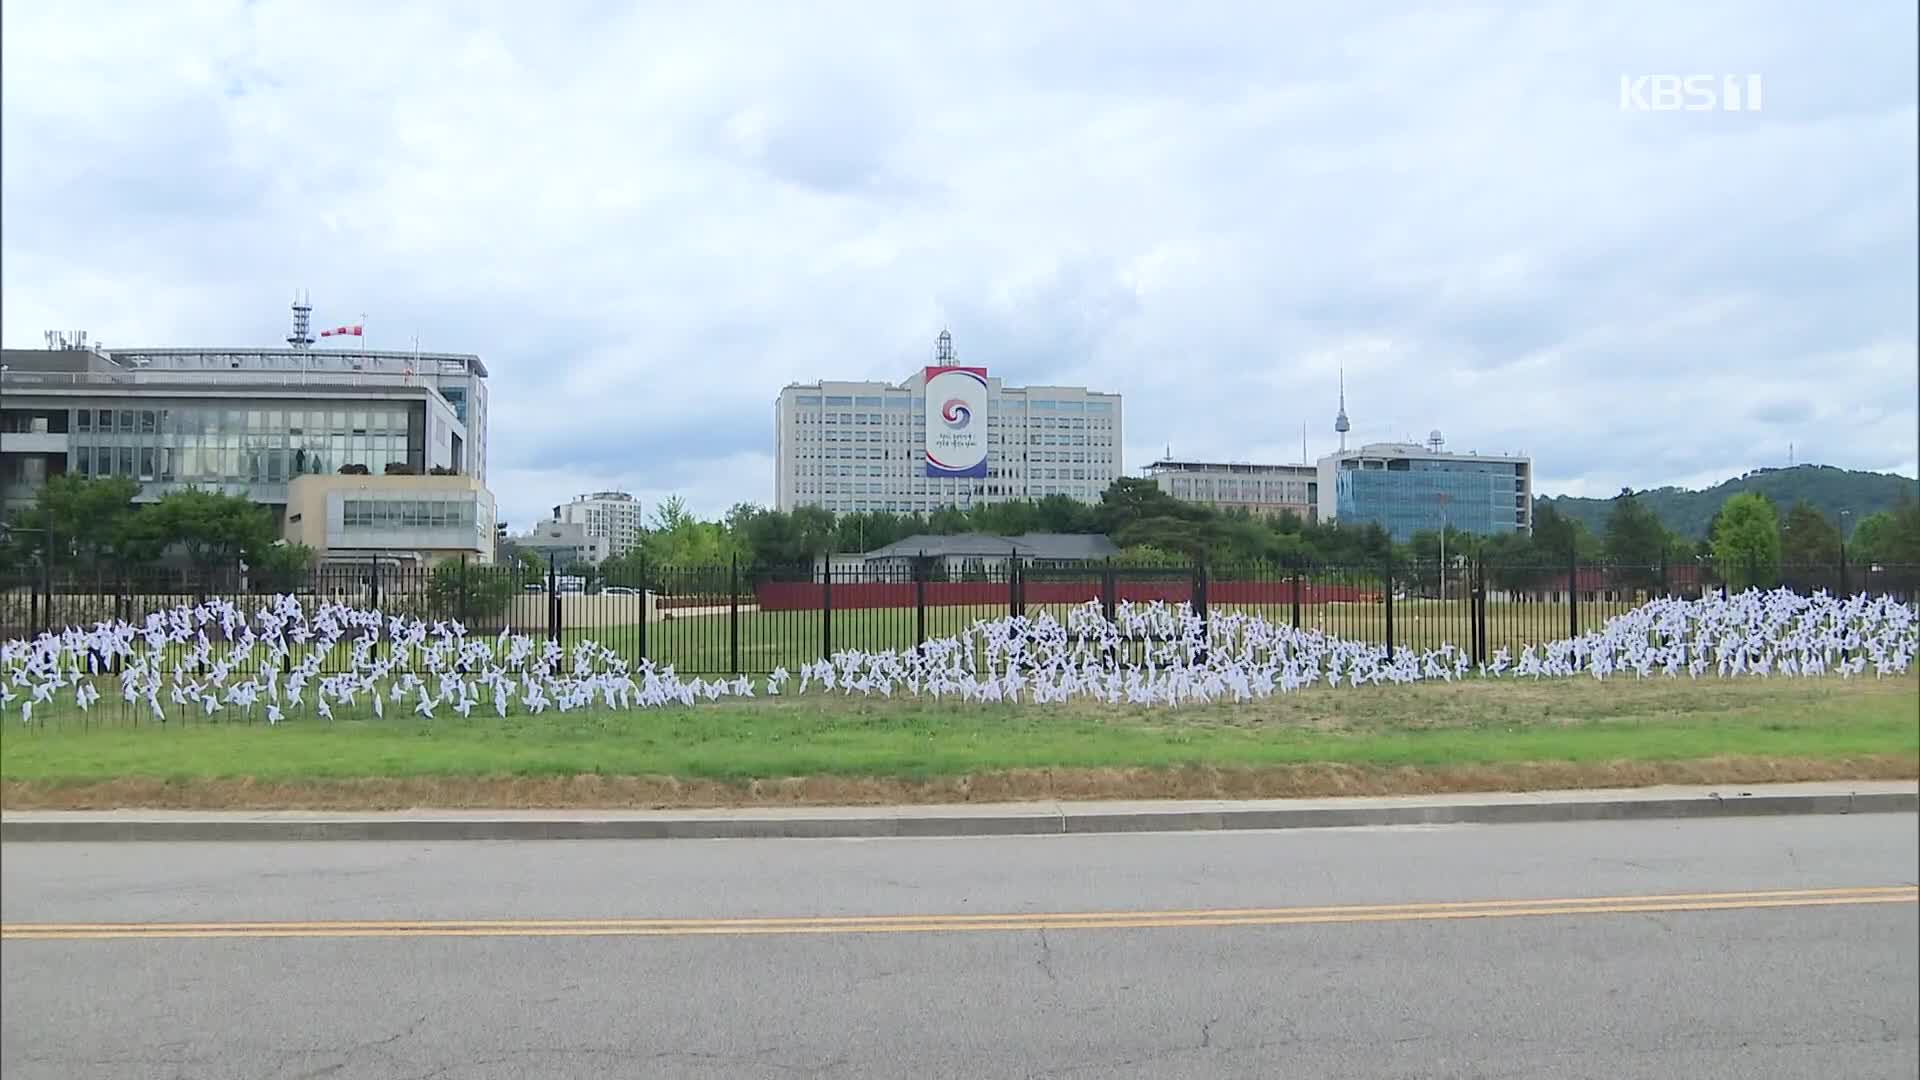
(243, 421)
(861, 446)
(1406, 488)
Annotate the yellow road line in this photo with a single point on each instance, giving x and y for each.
(871, 924)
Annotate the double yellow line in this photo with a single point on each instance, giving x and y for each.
(930, 924)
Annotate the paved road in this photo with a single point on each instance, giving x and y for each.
(1265, 954)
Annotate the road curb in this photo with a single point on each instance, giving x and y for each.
(423, 826)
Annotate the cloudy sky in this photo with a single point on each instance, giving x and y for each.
(649, 217)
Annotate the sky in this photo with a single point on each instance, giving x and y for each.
(649, 217)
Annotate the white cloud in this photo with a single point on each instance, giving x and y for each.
(647, 219)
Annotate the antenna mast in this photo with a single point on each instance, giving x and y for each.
(1340, 423)
(302, 336)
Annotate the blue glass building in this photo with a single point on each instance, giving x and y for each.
(1406, 488)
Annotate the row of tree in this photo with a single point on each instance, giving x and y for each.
(1152, 527)
(91, 527)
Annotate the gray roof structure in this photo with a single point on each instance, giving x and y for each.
(1060, 547)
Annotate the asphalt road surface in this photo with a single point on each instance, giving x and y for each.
(1725, 948)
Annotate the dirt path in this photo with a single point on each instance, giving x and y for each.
(654, 792)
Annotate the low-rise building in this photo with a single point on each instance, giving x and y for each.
(969, 554)
(1240, 485)
(409, 519)
(1407, 488)
(566, 543)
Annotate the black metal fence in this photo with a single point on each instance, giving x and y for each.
(735, 619)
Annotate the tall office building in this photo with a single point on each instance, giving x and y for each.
(875, 446)
(1239, 485)
(1407, 488)
(613, 516)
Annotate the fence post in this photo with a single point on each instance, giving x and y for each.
(1296, 596)
(733, 615)
(1476, 609)
(1845, 590)
(553, 597)
(1663, 574)
(1016, 586)
(919, 601)
(460, 603)
(1109, 591)
(1200, 604)
(646, 594)
(1389, 598)
(826, 608)
(1573, 593)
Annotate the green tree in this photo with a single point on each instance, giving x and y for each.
(1807, 538)
(281, 567)
(1634, 542)
(1062, 514)
(472, 592)
(88, 524)
(1148, 556)
(529, 566)
(216, 530)
(1901, 543)
(1553, 534)
(1870, 535)
(1746, 542)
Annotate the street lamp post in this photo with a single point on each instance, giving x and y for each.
(1845, 586)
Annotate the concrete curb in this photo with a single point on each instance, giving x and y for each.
(932, 822)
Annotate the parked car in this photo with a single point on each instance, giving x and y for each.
(619, 590)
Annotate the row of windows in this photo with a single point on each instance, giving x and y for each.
(896, 506)
(196, 462)
(389, 514)
(993, 420)
(211, 421)
(920, 404)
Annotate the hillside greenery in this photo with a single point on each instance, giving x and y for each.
(1688, 513)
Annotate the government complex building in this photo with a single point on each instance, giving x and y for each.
(849, 447)
(274, 425)
(1407, 488)
(1239, 485)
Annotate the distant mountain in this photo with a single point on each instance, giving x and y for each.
(1686, 512)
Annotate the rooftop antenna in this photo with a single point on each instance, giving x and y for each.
(1340, 423)
(943, 348)
(1303, 442)
(302, 336)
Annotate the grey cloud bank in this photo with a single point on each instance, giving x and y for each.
(648, 219)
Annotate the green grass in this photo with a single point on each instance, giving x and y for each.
(1477, 723)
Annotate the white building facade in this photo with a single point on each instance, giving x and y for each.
(1239, 485)
(612, 516)
(850, 447)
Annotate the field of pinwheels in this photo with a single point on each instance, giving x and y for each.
(1767, 684)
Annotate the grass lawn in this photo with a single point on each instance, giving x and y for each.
(1475, 725)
